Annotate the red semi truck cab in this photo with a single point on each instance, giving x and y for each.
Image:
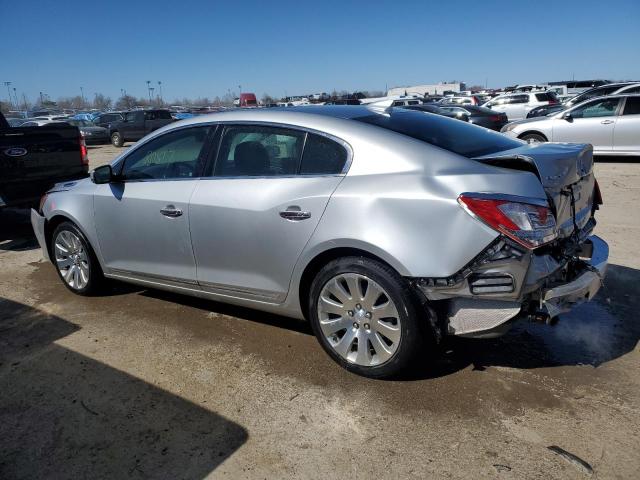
(248, 100)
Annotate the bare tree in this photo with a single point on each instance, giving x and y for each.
(101, 102)
(125, 102)
(266, 98)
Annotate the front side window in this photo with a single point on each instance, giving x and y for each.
(322, 156)
(133, 116)
(176, 154)
(258, 151)
(599, 108)
(632, 107)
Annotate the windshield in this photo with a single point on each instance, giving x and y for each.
(452, 135)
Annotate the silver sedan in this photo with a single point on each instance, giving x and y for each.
(611, 124)
(386, 229)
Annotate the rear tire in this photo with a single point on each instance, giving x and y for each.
(366, 317)
(533, 138)
(75, 260)
(117, 140)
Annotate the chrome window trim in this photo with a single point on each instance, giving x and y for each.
(119, 162)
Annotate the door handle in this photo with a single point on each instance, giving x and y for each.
(606, 122)
(294, 214)
(171, 211)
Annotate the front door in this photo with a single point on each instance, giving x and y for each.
(142, 220)
(591, 123)
(252, 219)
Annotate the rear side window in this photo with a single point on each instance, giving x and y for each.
(257, 151)
(598, 108)
(546, 97)
(520, 99)
(322, 156)
(632, 107)
(447, 133)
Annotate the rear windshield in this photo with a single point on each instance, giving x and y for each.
(453, 135)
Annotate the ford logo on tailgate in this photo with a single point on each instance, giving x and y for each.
(15, 152)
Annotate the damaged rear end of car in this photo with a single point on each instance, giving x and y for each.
(544, 260)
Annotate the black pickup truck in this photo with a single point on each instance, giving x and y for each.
(32, 159)
(137, 124)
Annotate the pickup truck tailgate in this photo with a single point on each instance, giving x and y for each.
(34, 158)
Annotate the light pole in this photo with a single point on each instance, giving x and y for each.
(15, 95)
(149, 89)
(84, 103)
(160, 87)
(239, 90)
(9, 92)
(41, 100)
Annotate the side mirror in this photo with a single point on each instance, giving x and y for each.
(102, 174)
(567, 116)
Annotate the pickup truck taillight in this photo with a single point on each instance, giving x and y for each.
(529, 224)
(84, 155)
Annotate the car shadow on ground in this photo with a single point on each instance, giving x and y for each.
(593, 333)
(16, 233)
(65, 415)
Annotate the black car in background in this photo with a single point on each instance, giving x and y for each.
(430, 108)
(136, 124)
(482, 116)
(93, 134)
(104, 119)
(546, 110)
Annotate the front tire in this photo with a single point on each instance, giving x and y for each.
(117, 140)
(366, 317)
(75, 260)
(533, 138)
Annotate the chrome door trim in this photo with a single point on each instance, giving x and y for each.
(149, 277)
(249, 293)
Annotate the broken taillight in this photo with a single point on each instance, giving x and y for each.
(530, 223)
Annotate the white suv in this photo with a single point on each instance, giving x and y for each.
(517, 105)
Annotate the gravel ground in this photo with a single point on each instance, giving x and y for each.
(146, 384)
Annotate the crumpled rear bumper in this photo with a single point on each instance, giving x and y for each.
(561, 298)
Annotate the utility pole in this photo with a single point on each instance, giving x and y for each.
(9, 92)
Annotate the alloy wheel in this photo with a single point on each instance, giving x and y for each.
(72, 259)
(359, 319)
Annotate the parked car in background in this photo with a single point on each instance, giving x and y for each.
(35, 122)
(600, 91)
(546, 110)
(464, 100)
(432, 108)
(611, 124)
(15, 122)
(628, 89)
(376, 225)
(32, 160)
(136, 124)
(517, 105)
(106, 119)
(481, 116)
(93, 134)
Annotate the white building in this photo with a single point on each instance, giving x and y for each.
(421, 90)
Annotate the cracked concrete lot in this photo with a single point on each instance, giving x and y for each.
(146, 384)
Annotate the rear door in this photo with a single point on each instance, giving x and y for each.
(143, 220)
(251, 219)
(133, 126)
(592, 123)
(626, 133)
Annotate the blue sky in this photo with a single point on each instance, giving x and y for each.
(205, 48)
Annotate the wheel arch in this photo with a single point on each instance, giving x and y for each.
(533, 132)
(321, 259)
(51, 224)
